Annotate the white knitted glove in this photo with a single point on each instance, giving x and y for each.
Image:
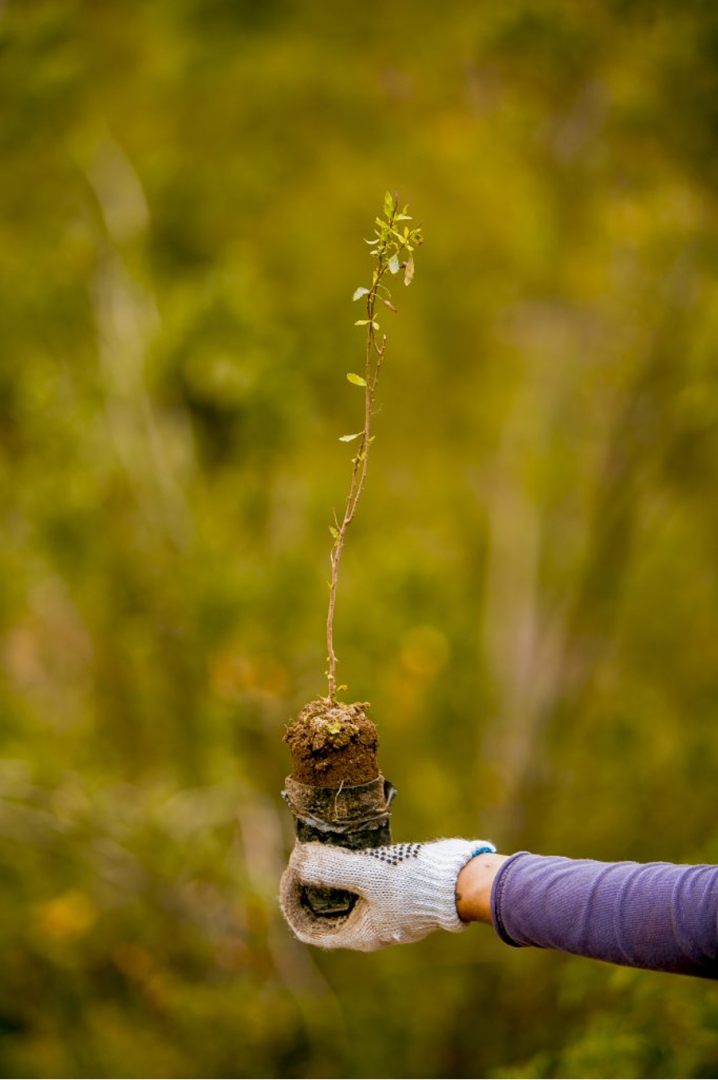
(405, 891)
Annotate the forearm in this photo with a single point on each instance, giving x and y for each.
(657, 916)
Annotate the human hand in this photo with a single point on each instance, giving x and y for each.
(404, 891)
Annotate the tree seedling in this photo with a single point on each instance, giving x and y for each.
(336, 790)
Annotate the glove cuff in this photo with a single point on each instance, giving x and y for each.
(435, 882)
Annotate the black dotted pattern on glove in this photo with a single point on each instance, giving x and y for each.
(394, 854)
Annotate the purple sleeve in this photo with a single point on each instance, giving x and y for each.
(657, 915)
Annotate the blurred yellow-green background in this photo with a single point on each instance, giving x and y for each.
(529, 595)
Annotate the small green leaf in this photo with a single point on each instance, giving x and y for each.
(388, 204)
(356, 379)
(342, 687)
(394, 264)
(409, 270)
(375, 325)
(350, 438)
(362, 322)
(334, 532)
(358, 293)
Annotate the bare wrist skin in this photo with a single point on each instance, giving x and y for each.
(473, 887)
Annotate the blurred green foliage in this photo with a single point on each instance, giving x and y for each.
(529, 598)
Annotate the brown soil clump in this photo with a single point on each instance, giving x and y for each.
(333, 745)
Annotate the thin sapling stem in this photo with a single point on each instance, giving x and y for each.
(393, 247)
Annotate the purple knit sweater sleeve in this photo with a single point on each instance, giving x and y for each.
(657, 915)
